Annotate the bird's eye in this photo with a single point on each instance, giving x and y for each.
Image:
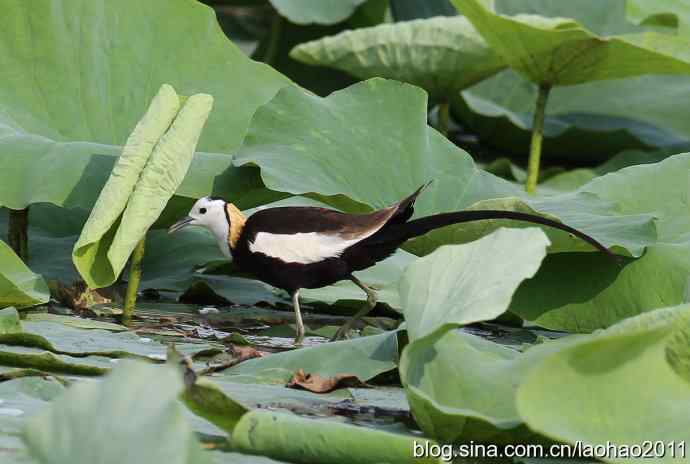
(202, 211)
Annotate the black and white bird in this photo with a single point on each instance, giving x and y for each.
(308, 247)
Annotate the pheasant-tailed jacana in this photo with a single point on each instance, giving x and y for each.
(308, 247)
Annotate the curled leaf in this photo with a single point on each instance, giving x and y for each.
(318, 384)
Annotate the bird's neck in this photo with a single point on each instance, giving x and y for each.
(236, 220)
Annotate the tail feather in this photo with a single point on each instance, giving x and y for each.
(402, 232)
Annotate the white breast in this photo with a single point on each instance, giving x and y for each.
(304, 248)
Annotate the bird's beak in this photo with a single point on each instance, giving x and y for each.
(182, 223)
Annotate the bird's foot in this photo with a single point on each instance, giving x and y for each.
(343, 333)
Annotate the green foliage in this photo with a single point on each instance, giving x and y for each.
(18, 285)
(119, 418)
(567, 295)
(441, 55)
(435, 290)
(560, 51)
(365, 357)
(298, 133)
(316, 11)
(296, 439)
(152, 165)
(79, 104)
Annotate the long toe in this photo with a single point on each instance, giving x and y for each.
(343, 333)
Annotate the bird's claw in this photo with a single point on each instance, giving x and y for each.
(343, 333)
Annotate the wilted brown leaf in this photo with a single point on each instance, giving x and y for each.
(317, 384)
(78, 296)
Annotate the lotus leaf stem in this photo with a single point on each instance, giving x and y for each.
(133, 281)
(443, 118)
(271, 52)
(17, 233)
(537, 136)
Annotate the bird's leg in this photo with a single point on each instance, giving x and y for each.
(366, 308)
(299, 337)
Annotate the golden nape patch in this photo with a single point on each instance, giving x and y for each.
(237, 221)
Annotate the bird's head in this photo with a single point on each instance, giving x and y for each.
(206, 212)
(223, 219)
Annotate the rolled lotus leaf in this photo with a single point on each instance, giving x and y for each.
(149, 170)
(443, 55)
(96, 235)
(161, 177)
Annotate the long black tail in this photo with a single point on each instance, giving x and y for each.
(423, 225)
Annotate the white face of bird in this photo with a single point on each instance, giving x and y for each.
(209, 213)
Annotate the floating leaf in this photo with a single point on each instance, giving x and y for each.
(132, 415)
(365, 357)
(295, 439)
(22, 398)
(18, 285)
(442, 55)
(48, 362)
(206, 399)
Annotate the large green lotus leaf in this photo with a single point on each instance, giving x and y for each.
(297, 439)
(560, 51)
(462, 387)
(316, 11)
(589, 121)
(22, 398)
(206, 399)
(442, 55)
(18, 285)
(65, 337)
(673, 14)
(370, 143)
(55, 344)
(625, 385)
(133, 415)
(68, 106)
(583, 122)
(365, 357)
(566, 295)
(406, 10)
(469, 283)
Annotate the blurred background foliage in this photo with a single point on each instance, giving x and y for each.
(586, 125)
